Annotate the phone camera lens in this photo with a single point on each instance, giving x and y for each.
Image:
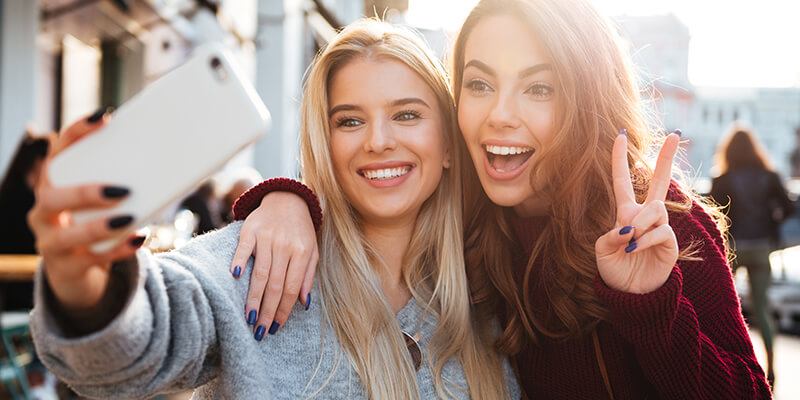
(215, 62)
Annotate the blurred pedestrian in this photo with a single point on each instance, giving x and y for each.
(16, 199)
(756, 203)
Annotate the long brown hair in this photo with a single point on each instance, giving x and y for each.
(352, 298)
(740, 148)
(598, 96)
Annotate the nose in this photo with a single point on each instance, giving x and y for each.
(505, 112)
(379, 138)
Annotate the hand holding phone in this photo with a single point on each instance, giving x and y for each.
(166, 140)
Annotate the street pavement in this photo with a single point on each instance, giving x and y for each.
(787, 363)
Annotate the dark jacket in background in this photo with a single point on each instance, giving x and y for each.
(755, 201)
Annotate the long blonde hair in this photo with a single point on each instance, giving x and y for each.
(598, 95)
(352, 296)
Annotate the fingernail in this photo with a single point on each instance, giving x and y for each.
(137, 241)
(631, 247)
(625, 230)
(251, 317)
(260, 332)
(237, 271)
(119, 222)
(308, 301)
(274, 327)
(98, 115)
(115, 192)
(677, 132)
(623, 132)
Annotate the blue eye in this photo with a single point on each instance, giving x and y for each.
(407, 115)
(478, 86)
(540, 90)
(346, 122)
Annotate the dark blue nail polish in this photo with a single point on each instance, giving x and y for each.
(308, 301)
(677, 132)
(274, 327)
(119, 222)
(631, 247)
(237, 271)
(623, 132)
(252, 317)
(633, 239)
(138, 241)
(260, 332)
(98, 115)
(115, 192)
(625, 230)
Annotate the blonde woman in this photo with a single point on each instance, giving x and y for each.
(391, 319)
(611, 279)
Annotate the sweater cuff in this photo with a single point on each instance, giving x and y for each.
(643, 317)
(251, 199)
(93, 354)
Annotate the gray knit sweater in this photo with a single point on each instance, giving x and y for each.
(183, 327)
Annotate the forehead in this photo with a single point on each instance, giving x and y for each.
(506, 44)
(369, 81)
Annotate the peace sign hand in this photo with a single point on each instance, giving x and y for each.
(637, 256)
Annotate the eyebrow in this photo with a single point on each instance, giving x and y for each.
(522, 74)
(398, 102)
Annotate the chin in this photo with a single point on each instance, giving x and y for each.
(504, 197)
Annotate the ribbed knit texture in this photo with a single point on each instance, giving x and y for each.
(686, 340)
(251, 199)
(183, 327)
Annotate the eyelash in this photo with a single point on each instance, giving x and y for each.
(540, 85)
(413, 113)
(347, 121)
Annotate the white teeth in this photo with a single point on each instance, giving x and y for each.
(386, 173)
(506, 150)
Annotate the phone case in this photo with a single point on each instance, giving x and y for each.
(165, 140)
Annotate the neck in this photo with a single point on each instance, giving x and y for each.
(391, 241)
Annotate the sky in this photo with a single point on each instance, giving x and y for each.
(736, 43)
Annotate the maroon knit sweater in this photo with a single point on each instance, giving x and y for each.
(686, 340)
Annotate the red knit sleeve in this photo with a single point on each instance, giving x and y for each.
(690, 338)
(251, 199)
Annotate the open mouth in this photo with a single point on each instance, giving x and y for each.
(507, 158)
(384, 173)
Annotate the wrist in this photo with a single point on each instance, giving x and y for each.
(77, 295)
(253, 198)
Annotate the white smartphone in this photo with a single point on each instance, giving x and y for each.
(167, 139)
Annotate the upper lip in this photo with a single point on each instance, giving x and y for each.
(504, 142)
(385, 164)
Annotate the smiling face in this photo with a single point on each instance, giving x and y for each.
(387, 145)
(506, 109)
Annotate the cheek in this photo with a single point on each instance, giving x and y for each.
(341, 151)
(539, 119)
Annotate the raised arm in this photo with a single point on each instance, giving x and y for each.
(281, 219)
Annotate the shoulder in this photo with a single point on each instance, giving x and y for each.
(706, 272)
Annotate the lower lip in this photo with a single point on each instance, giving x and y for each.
(387, 183)
(504, 176)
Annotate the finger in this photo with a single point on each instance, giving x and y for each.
(308, 281)
(51, 200)
(652, 215)
(291, 288)
(274, 291)
(614, 239)
(663, 234)
(66, 239)
(258, 281)
(662, 175)
(243, 252)
(623, 187)
(80, 129)
(78, 262)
